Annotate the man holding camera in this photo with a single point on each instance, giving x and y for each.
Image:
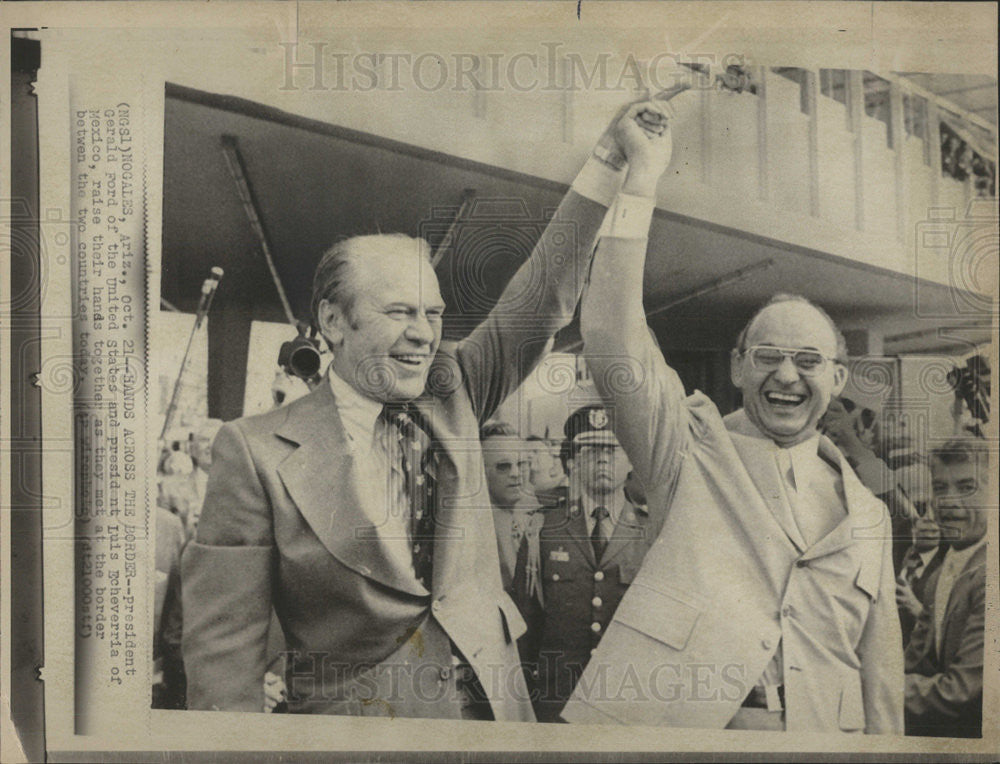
(357, 510)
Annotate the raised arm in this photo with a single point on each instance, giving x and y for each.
(541, 297)
(628, 369)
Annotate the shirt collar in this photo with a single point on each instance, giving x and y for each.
(741, 423)
(614, 506)
(926, 557)
(358, 412)
(801, 455)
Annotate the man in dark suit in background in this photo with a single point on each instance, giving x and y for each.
(944, 658)
(592, 544)
(358, 510)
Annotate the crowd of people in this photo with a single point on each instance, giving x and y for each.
(661, 565)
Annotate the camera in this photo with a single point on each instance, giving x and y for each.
(300, 357)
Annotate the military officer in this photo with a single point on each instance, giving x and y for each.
(592, 544)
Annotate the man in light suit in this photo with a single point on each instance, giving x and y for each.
(319, 507)
(517, 522)
(944, 657)
(592, 544)
(767, 600)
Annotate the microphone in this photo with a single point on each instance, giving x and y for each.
(208, 288)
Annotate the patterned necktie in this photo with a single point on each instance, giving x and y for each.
(598, 539)
(912, 565)
(416, 456)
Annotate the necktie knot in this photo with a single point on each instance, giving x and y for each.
(600, 513)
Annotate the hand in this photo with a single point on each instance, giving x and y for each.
(643, 136)
(906, 599)
(274, 691)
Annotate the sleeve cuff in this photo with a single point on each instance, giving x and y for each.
(598, 181)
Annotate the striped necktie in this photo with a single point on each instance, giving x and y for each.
(415, 455)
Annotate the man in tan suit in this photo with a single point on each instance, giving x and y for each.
(767, 600)
(360, 510)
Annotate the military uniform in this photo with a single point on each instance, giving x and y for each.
(581, 590)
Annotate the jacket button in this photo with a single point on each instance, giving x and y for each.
(597, 602)
(766, 644)
(788, 611)
(595, 627)
(599, 575)
(555, 576)
(802, 563)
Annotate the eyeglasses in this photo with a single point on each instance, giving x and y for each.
(809, 363)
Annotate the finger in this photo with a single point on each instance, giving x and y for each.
(651, 121)
(652, 129)
(654, 111)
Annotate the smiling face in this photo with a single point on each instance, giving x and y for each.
(383, 345)
(783, 403)
(507, 465)
(961, 500)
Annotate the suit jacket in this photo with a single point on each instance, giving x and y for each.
(581, 594)
(283, 523)
(730, 578)
(944, 688)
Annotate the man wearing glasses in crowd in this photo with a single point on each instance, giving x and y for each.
(767, 602)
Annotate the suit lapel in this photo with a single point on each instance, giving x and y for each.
(757, 457)
(321, 478)
(865, 518)
(577, 526)
(631, 527)
(975, 562)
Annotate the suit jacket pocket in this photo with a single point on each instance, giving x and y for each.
(852, 707)
(666, 617)
(513, 624)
